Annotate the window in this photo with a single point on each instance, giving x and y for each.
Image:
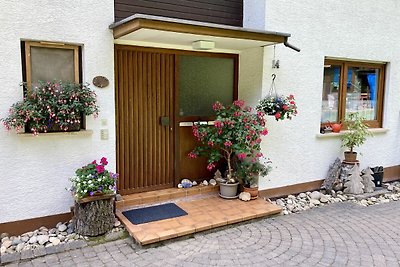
(203, 81)
(44, 61)
(353, 87)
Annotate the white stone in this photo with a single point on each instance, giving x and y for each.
(41, 239)
(324, 199)
(180, 186)
(20, 247)
(315, 195)
(205, 182)
(302, 195)
(194, 183)
(55, 241)
(33, 240)
(213, 182)
(245, 196)
(280, 202)
(315, 202)
(62, 227)
(7, 244)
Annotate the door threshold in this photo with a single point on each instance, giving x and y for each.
(163, 195)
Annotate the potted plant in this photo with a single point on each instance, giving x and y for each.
(94, 188)
(235, 136)
(355, 136)
(280, 107)
(250, 171)
(52, 106)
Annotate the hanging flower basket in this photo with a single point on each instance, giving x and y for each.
(281, 107)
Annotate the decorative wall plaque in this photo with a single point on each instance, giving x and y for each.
(100, 81)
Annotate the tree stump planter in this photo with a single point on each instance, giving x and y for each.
(94, 216)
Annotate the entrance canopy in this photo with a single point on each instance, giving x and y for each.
(181, 34)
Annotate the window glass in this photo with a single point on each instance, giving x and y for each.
(202, 81)
(48, 64)
(362, 91)
(331, 93)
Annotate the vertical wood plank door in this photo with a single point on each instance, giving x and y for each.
(145, 119)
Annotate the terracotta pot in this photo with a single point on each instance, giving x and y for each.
(252, 190)
(350, 156)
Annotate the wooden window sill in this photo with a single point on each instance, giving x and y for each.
(76, 133)
(333, 135)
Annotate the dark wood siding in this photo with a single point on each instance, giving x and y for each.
(228, 12)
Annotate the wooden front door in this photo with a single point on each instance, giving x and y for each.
(145, 87)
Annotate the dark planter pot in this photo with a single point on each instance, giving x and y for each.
(350, 156)
(57, 128)
(378, 175)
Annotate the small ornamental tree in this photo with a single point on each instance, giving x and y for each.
(235, 136)
(357, 132)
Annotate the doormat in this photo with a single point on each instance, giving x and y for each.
(154, 213)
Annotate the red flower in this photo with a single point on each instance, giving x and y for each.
(285, 107)
(291, 96)
(292, 102)
(100, 168)
(210, 143)
(264, 132)
(277, 115)
(259, 155)
(104, 161)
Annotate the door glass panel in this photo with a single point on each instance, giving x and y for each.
(50, 64)
(361, 93)
(202, 81)
(330, 93)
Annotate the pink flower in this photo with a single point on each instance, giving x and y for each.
(192, 155)
(291, 96)
(238, 103)
(100, 168)
(264, 132)
(258, 140)
(248, 109)
(217, 106)
(259, 155)
(104, 161)
(277, 115)
(236, 114)
(285, 107)
(94, 162)
(241, 156)
(218, 124)
(228, 143)
(210, 166)
(210, 143)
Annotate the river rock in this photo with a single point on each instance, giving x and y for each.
(315, 202)
(42, 239)
(315, 195)
(302, 195)
(245, 196)
(54, 240)
(7, 244)
(16, 241)
(280, 202)
(62, 227)
(20, 247)
(324, 199)
(33, 240)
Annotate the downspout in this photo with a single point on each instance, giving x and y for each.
(286, 43)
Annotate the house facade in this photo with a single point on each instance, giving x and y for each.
(166, 65)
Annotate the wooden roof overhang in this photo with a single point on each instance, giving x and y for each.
(183, 32)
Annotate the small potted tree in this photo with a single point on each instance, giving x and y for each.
(355, 136)
(235, 136)
(250, 171)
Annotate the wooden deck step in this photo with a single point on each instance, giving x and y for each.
(206, 213)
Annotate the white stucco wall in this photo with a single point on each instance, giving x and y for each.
(365, 31)
(35, 170)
